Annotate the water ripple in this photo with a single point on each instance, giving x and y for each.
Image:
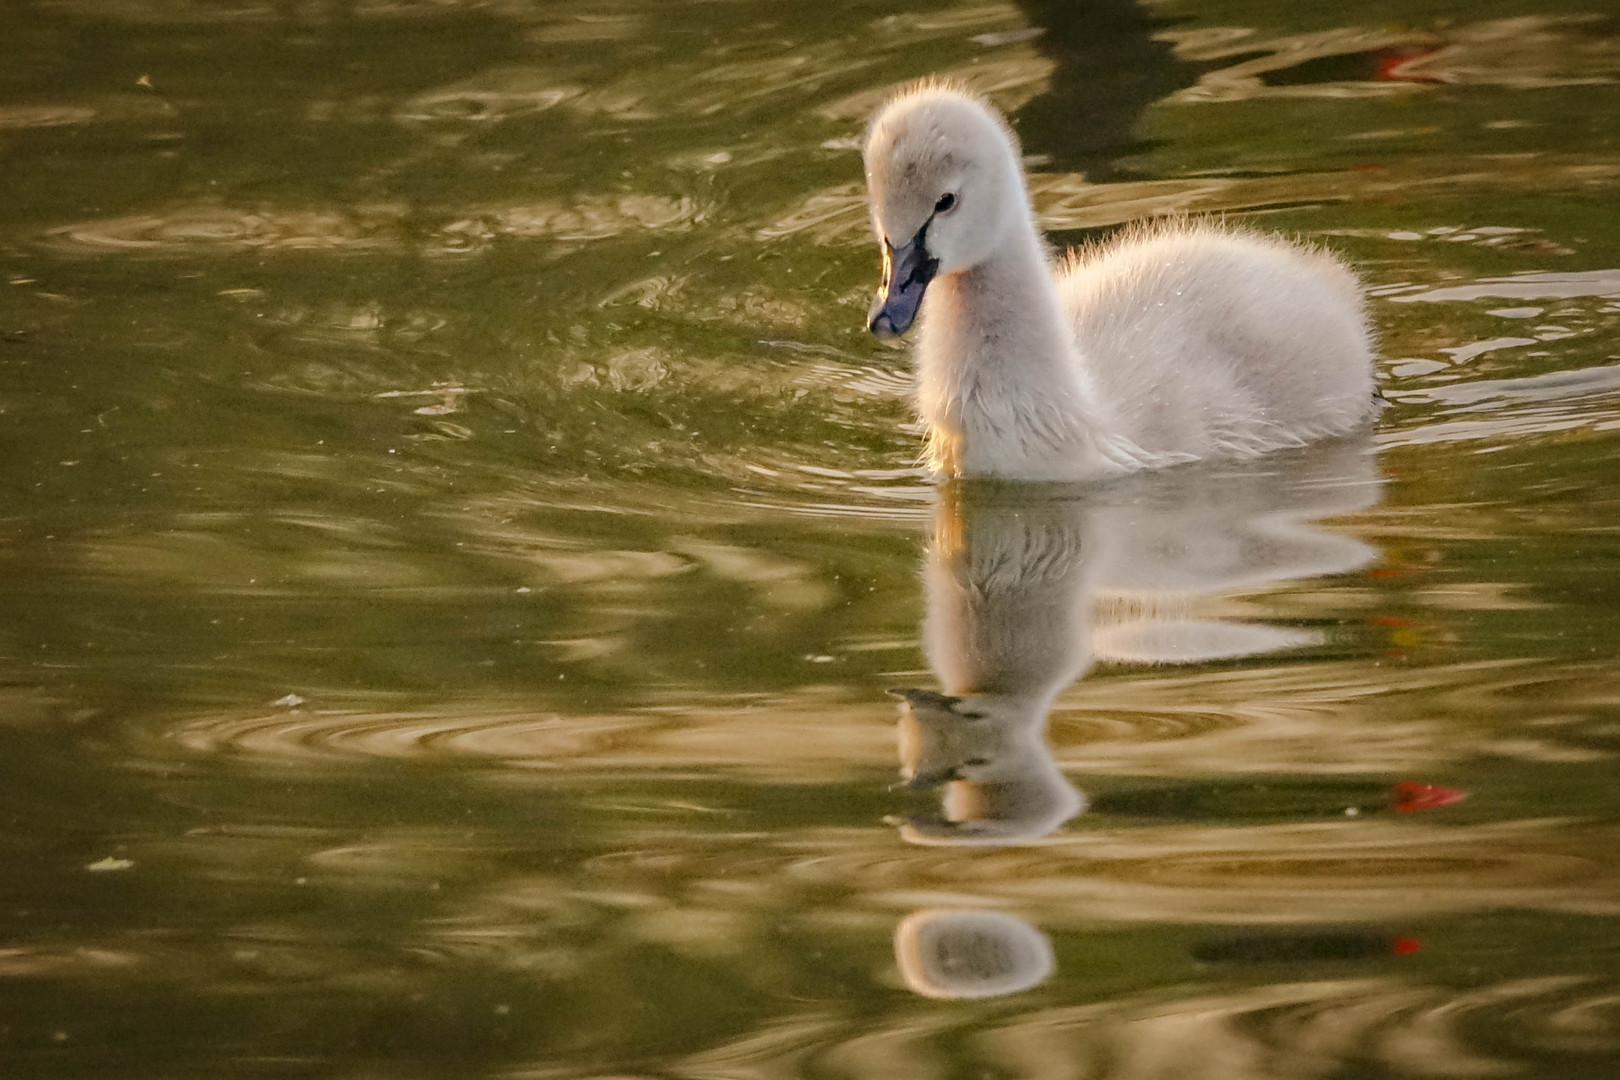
(516, 739)
(1353, 870)
(198, 230)
(1339, 719)
(1279, 1031)
(1528, 51)
(1529, 286)
(39, 116)
(1068, 201)
(1501, 409)
(1315, 1028)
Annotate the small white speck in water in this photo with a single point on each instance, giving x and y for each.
(102, 866)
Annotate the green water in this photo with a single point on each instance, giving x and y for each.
(457, 539)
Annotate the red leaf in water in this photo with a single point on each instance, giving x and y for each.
(1413, 795)
(1395, 65)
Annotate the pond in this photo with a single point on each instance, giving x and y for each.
(470, 606)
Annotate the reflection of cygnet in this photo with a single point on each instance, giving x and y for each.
(1027, 584)
(1001, 784)
(1168, 543)
(1006, 631)
(970, 954)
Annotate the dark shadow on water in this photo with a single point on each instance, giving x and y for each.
(1109, 69)
(1299, 946)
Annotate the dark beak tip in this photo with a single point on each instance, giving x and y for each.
(883, 328)
(880, 320)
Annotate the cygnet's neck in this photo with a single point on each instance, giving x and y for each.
(999, 382)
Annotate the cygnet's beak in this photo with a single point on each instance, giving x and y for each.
(906, 274)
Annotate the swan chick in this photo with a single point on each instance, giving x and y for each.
(1173, 343)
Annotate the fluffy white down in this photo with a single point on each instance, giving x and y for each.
(1173, 343)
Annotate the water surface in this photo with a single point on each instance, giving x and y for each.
(458, 548)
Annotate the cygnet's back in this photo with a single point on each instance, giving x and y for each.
(1217, 343)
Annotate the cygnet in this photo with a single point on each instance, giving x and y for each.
(1175, 342)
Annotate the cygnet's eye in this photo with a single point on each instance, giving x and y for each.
(946, 201)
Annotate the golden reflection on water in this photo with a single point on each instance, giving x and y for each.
(575, 544)
(1527, 52)
(1068, 201)
(1299, 1029)
(1305, 718)
(381, 228)
(1281, 1031)
(1020, 591)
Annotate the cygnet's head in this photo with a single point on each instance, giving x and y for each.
(943, 179)
(1000, 782)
